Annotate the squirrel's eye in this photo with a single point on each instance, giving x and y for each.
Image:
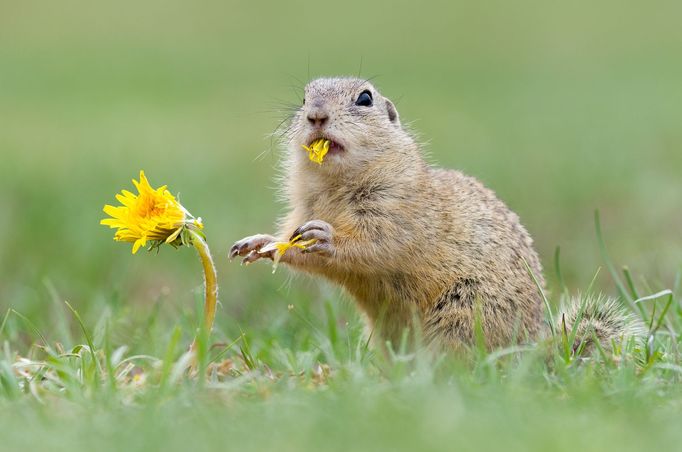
(364, 99)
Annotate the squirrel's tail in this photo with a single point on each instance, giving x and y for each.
(599, 318)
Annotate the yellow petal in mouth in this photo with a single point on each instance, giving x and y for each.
(280, 248)
(317, 150)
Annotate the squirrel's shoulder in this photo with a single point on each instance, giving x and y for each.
(465, 189)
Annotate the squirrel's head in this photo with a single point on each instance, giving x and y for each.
(350, 112)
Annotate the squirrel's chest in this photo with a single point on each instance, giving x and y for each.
(348, 203)
(326, 206)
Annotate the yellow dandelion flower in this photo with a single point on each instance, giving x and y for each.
(317, 150)
(152, 215)
(280, 248)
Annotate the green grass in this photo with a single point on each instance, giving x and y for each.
(308, 380)
(562, 109)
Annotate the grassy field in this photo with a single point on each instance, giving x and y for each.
(561, 108)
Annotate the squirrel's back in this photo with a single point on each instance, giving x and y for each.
(488, 252)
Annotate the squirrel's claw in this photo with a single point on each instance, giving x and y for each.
(248, 245)
(323, 248)
(253, 256)
(320, 231)
(306, 230)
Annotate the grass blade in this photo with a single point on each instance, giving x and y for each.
(168, 359)
(557, 269)
(35, 329)
(4, 321)
(550, 315)
(88, 339)
(661, 316)
(630, 282)
(612, 269)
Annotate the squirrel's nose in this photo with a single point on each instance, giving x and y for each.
(317, 117)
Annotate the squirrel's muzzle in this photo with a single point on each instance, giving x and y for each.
(317, 115)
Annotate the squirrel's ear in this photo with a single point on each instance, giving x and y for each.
(392, 112)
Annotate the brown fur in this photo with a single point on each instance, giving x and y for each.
(408, 241)
(600, 318)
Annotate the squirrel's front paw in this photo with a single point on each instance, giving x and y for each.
(318, 230)
(249, 248)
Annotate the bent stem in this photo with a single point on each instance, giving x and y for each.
(210, 285)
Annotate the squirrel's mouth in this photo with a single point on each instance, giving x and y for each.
(334, 146)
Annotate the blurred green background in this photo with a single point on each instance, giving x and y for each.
(560, 107)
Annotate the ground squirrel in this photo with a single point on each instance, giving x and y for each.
(407, 240)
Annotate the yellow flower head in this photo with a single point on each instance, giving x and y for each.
(151, 215)
(317, 150)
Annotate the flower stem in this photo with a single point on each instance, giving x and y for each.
(210, 280)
